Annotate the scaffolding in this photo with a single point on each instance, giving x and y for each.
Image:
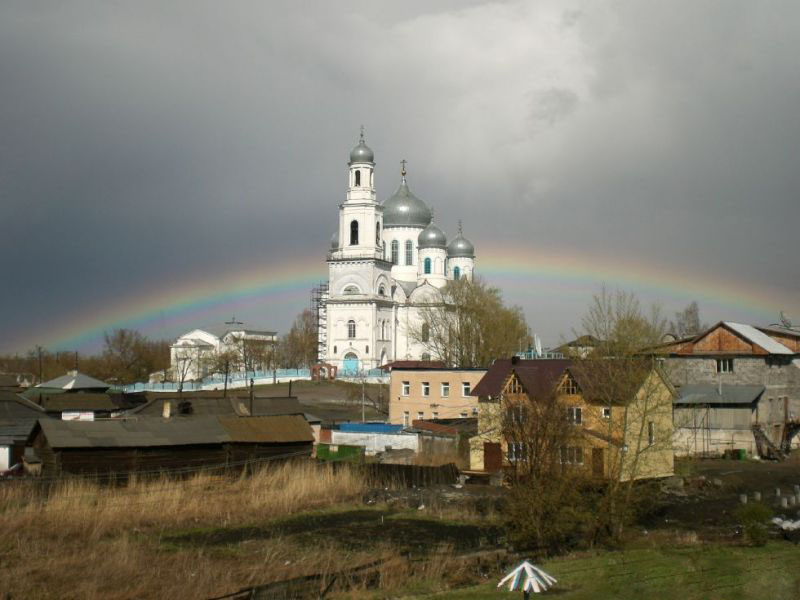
(319, 305)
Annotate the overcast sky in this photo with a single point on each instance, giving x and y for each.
(146, 144)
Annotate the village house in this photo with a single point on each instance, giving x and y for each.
(18, 416)
(629, 438)
(427, 392)
(739, 389)
(177, 445)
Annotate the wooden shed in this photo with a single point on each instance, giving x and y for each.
(169, 445)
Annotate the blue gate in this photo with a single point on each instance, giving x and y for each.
(350, 367)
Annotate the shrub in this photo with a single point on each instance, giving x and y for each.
(754, 518)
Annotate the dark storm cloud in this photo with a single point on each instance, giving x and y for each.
(147, 142)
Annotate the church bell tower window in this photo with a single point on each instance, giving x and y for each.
(354, 233)
(427, 266)
(456, 273)
(358, 178)
(409, 252)
(395, 252)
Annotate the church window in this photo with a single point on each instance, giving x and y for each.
(351, 329)
(395, 252)
(335, 350)
(427, 266)
(381, 290)
(378, 232)
(350, 289)
(367, 350)
(354, 233)
(384, 250)
(426, 332)
(409, 252)
(456, 273)
(358, 177)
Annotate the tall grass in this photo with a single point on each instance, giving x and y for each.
(93, 509)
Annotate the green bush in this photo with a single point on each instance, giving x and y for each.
(754, 519)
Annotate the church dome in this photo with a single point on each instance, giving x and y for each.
(460, 247)
(335, 240)
(432, 237)
(404, 209)
(362, 153)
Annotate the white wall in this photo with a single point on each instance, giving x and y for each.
(375, 442)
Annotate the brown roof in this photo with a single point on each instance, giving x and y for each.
(448, 426)
(229, 406)
(535, 375)
(622, 378)
(414, 364)
(287, 428)
(152, 432)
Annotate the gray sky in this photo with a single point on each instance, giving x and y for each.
(144, 145)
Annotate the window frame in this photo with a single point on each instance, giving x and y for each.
(409, 252)
(725, 365)
(425, 389)
(351, 329)
(575, 415)
(354, 232)
(395, 252)
(445, 389)
(405, 388)
(466, 389)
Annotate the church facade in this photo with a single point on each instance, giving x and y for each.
(386, 261)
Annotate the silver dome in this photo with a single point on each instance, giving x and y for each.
(432, 237)
(335, 240)
(460, 247)
(404, 209)
(362, 153)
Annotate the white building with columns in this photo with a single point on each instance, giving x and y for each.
(386, 261)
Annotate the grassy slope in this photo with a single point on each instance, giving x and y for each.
(700, 572)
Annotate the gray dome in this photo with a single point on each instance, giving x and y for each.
(404, 209)
(362, 153)
(460, 247)
(335, 240)
(432, 237)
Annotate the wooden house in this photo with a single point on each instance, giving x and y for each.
(627, 438)
(170, 445)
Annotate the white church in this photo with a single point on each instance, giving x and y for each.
(386, 261)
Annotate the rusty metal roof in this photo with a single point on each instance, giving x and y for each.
(277, 429)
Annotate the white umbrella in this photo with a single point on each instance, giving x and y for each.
(528, 578)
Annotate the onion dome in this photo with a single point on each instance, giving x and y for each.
(404, 209)
(432, 237)
(460, 247)
(362, 153)
(335, 240)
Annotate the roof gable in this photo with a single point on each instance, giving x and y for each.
(731, 338)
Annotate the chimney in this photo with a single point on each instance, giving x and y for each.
(166, 408)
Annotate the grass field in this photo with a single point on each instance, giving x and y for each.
(713, 572)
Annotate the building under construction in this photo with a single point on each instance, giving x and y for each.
(319, 305)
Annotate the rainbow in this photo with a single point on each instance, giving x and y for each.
(190, 303)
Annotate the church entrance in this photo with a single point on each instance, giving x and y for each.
(350, 366)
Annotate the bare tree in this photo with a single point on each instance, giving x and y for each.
(469, 326)
(298, 348)
(687, 322)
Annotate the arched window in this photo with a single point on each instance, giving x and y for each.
(395, 252)
(335, 350)
(426, 332)
(367, 350)
(351, 329)
(456, 272)
(351, 289)
(409, 252)
(381, 290)
(378, 232)
(358, 178)
(427, 266)
(354, 233)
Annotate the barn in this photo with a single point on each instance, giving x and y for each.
(166, 445)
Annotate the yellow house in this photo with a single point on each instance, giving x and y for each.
(626, 437)
(424, 393)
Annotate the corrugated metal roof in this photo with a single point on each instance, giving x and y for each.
(74, 380)
(149, 432)
(759, 337)
(710, 394)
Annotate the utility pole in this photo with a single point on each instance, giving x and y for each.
(39, 350)
(251, 396)
(363, 384)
